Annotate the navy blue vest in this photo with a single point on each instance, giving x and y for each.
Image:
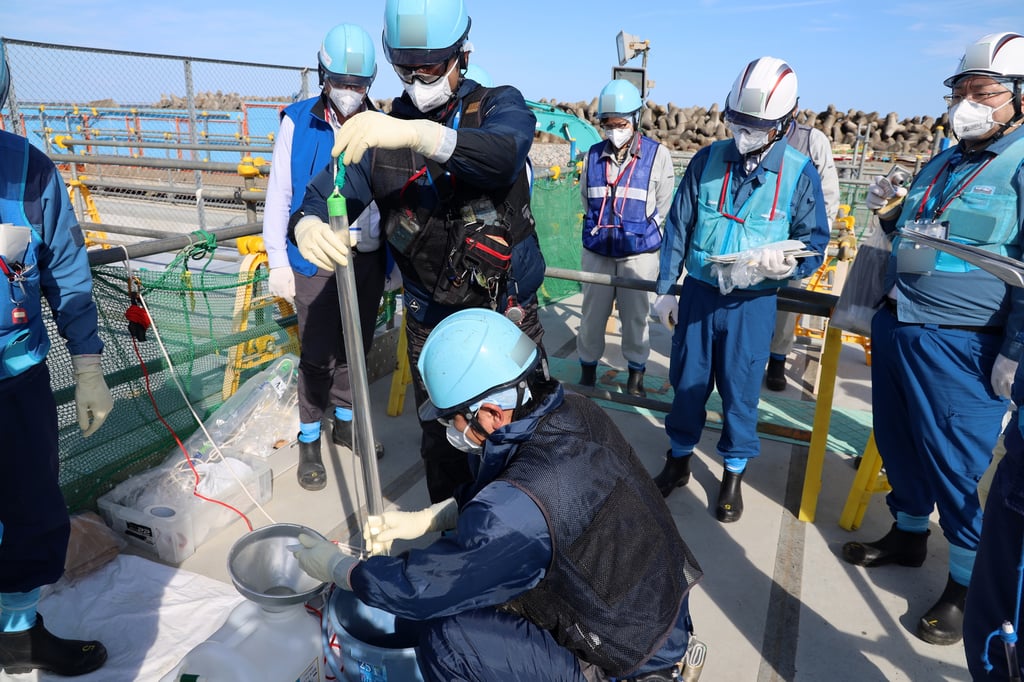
(619, 570)
(616, 223)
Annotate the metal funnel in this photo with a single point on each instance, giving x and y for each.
(264, 570)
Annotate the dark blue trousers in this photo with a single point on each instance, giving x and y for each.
(996, 583)
(32, 508)
(936, 419)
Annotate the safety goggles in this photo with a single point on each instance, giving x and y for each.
(343, 81)
(737, 118)
(427, 74)
(615, 124)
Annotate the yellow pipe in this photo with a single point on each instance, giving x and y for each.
(822, 419)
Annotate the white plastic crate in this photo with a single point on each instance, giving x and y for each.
(173, 531)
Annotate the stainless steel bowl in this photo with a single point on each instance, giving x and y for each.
(264, 570)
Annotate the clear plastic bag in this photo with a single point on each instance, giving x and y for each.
(743, 272)
(864, 289)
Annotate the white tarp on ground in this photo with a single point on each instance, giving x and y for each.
(147, 614)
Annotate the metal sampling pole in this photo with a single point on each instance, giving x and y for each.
(362, 424)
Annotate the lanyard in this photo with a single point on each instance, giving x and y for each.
(958, 191)
(617, 211)
(725, 188)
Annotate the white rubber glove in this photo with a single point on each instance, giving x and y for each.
(399, 525)
(775, 264)
(1003, 371)
(324, 560)
(319, 244)
(667, 309)
(282, 283)
(394, 281)
(92, 397)
(883, 196)
(378, 130)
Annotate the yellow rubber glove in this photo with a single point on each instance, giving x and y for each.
(380, 531)
(373, 129)
(319, 244)
(92, 397)
(324, 560)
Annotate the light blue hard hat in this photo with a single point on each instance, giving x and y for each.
(618, 98)
(474, 72)
(469, 355)
(347, 55)
(5, 81)
(424, 31)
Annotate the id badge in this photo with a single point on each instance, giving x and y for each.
(915, 258)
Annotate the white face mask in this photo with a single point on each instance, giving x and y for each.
(429, 97)
(345, 101)
(972, 120)
(619, 136)
(460, 440)
(749, 139)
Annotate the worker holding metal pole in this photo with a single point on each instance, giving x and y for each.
(448, 170)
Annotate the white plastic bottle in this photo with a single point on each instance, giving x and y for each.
(257, 644)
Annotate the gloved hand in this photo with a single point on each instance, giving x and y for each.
(399, 525)
(319, 244)
(1003, 371)
(667, 309)
(775, 264)
(883, 196)
(92, 397)
(375, 129)
(324, 560)
(282, 283)
(394, 280)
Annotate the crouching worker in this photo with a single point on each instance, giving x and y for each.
(564, 563)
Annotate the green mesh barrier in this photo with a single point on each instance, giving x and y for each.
(194, 312)
(558, 211)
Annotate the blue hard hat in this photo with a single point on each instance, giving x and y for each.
(5, 79)
(474, 72)
(347, 53)
(424, 31)
(618, 98)
(469, 355)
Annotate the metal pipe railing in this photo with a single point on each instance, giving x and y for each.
(150, 248)
(802, 301)
(173, 164)
(71, 143)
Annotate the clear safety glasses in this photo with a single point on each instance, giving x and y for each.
(980, 97)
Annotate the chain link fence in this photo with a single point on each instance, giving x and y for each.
(148, 140)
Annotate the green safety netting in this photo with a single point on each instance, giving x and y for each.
(558, 210)
(213, 344)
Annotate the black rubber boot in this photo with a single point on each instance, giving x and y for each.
(775, 376)
(635, 384)
(943, 624)
(897, 547)
(675, 474)
(311, 472)
(730, 498)
(38, 649)
(341, 434)
(588, 375)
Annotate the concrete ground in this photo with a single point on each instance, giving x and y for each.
(775, 603)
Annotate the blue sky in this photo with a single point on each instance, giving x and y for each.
(868, 55)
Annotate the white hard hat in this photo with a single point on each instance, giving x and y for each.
(764, 92)
(999, 55)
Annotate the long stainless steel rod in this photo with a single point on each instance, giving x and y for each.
(362, 422)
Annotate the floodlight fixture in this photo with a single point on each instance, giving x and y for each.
(629, 46)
